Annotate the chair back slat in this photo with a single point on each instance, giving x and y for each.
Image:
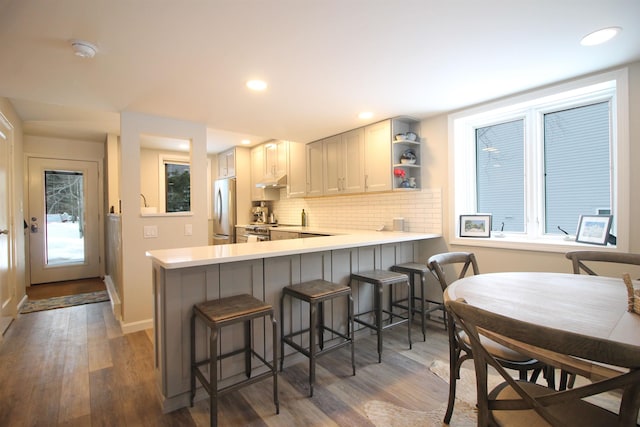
(437, 263)
(578, 259)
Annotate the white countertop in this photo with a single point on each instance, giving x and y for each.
(340, 239)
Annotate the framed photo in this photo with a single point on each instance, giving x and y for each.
(475, 225)
(594, 229)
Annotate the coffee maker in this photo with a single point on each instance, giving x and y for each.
(260, 214)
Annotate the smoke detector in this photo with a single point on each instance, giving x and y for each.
(83, 48)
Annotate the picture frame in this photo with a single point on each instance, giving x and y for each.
(478, 225)
(594, 229)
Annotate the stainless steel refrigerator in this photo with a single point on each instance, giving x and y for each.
(224, 211)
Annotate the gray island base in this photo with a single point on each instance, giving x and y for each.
(187, 276)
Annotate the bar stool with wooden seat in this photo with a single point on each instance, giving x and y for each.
(381, 279)
(316, 293)
(411, 269)
(217, 314)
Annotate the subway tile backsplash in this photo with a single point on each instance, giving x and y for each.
(421, 210)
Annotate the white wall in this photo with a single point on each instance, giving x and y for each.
(137, 300)
(436, 175)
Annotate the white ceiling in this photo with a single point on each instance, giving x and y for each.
(325, 61)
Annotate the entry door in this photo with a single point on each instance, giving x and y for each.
(63, 215)
(7, 292)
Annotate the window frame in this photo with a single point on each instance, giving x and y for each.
(163, 159)
(532, 106)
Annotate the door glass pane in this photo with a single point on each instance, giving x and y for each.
(500, 174)
(65, 212)
(577, 158)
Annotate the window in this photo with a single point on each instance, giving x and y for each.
(175, 183)
(538, 161)
(178, 187)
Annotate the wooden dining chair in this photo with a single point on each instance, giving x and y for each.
(579, 260)
(521, 403)
(586, 262)
(459, 346)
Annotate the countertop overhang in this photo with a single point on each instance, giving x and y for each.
(340, 239)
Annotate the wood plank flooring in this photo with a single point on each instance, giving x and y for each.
(73, 367)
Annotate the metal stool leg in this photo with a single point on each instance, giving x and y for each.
(409, 305)
(423, 313)
(213, 377)
(274, 368)
(281, 333)
(351, 328)
(312, 346)
(192, 394)
(378, 311)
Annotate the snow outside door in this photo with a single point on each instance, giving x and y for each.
(63, 216)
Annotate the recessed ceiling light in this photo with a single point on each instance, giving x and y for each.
(83, 48)
(365, 115)
(245, 142)
(257, 85)
(600, 36)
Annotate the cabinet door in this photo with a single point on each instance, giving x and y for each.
(297, 170)
(226, 164)
(353, 161)
(377, 157)
(332, 165)
(257, 174)
(314, 169)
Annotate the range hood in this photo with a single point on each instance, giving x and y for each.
(273, 181)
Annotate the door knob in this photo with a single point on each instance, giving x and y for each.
(4, 231)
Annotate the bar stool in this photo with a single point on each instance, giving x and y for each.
(379, 279)
(315, 293)
(217, 314)
(411, 269)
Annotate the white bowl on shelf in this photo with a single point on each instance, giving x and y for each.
(410, 136)
(408, 161)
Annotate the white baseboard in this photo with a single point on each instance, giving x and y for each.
(141, 325)
(116, 304)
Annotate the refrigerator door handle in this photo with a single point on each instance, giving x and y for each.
(219, 206)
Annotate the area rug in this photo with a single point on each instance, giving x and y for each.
(66, 301)
(464, 414)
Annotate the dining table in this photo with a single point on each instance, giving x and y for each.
(593, 306)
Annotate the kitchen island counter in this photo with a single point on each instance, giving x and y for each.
(183, 277)
(340, 239)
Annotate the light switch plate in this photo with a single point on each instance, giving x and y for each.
(188, 229)
(150, 231)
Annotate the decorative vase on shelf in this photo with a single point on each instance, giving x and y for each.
(412, 182)
(405, 183)
(408, 157)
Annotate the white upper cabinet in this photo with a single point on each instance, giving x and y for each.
(314, 169)
(296, 170)
(227, 164)
(377, 157)
(343, 163)
(275, 156)
(258, 166)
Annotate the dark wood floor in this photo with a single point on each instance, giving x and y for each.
(60, 289)
(73, 367)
